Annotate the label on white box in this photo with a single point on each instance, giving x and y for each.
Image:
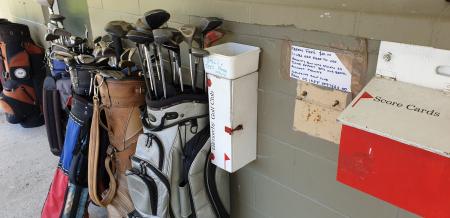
(219, 115)
(233, 120)
(319, 67)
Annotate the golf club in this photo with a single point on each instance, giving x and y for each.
(144, 40)
(198, 55)
(162, 36)
(188, 32)
(118, 30)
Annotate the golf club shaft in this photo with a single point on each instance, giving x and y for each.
(172, 67)
(150, 70)
(157, 60)
(162, 71)
(178, 63)
(144, 71)
(191, 71)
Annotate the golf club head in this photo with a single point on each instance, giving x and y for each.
(56, 17)
(141, 26)
(155, 18)
(61, 32)
(97, 39)
(112, 74)
(108, 52)
(177, 36)
(102, 61)
(75, 41)
(128, 54)
(58, 47)
(171, 46)
(162, 35)
(140, 37)
(126, 64)
(85, 59)
(50, 37)
(118, 28)
(188, 32)
(198, 52)
(107, 39)
(209, 23)
(61, 55)
(212, 37)
(70, 62)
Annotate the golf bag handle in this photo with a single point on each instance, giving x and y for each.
(167, 116)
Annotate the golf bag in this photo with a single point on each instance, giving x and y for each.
(172, 175)
(22, 75)
(56, 95)
(120, 102)
(68, 194)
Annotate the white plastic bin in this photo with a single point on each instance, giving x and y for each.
(232, 60)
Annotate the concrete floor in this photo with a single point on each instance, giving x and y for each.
(26, 169)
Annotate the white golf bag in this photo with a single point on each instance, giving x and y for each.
(172, 175)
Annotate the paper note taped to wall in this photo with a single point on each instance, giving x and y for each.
(321, 68)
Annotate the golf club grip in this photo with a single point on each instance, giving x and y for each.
(117, 44)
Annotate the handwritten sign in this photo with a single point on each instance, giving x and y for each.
(321, 68)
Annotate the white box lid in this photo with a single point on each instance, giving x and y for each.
(404, 112)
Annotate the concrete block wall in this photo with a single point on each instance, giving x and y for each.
(295, 174)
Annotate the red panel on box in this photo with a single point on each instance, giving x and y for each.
(406, 176)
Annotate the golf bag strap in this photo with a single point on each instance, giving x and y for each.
(94, 148)
(167, 116)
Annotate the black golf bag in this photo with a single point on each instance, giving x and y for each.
(172, 175)
(69, 194)
(22, 74)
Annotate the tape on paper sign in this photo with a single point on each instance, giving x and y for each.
(321, 68)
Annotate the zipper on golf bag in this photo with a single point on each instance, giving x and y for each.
(163, 191)
(190, 152)
(148, 190)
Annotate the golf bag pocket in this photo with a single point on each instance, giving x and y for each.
(82, 112)
(18, 102)
(58, 69)
(143, 192)
(145, 176)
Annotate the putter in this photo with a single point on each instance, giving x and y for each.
(198, 55)
(188, 32)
